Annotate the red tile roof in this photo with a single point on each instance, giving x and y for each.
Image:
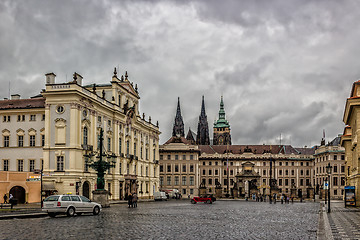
(177, 140)
(22, 103)
(256, 149)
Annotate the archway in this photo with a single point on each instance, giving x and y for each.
(86, 189)
(18, 193)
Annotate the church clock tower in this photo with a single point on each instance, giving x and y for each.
(222, 134)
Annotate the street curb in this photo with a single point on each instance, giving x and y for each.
(22, 216)
(324, 230)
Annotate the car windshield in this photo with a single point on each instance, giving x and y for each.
(51, 199)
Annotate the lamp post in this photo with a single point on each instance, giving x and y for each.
(328, 171)
(100, 165)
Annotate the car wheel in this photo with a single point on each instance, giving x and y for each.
(71, 212)
(52, 214)
(193, 201)
(96, 210)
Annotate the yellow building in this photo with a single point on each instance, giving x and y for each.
(349, 139)
(56, 129)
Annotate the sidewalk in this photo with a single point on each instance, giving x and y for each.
(341, 223)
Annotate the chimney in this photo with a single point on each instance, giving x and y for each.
(15, 96)
(78, 78)
(50, 78)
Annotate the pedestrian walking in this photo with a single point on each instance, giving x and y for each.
(11, 200)
(282, 199)
(275, 198)
(288, 199)
(130, 200)
(292, 199)
(134, 200)
(5, 198)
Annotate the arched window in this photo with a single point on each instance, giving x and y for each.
(85, 136)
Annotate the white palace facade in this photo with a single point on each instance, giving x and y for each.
(54, 130)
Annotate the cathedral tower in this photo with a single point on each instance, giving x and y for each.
(202, 137)
(222, 134)
(178, 129)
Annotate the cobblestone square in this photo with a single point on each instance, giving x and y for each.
(176, 220)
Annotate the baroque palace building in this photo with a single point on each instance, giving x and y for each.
(349, 140)
(54, 130)
(243, 170)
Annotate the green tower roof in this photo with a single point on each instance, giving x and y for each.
(221, 122)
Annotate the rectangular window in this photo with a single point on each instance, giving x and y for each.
(32, 140)
(264, 172)
(168, 180)
(301, 182)
(60, 163)
(183, 168)
(191, 168)
(342, 157)
(280, 172)
(183, 181)
(161, 168)
(168, 168)
(191, 157)
(86, 166)
(184, 157)
(135, 149)
(43, 117)
(20, 165)
(161, 180)
(293, 172)
(32, 117)
(191, 181)
(147, 171)
(161, 157)
(168, 157)
(109, 144)
(204, 172)
(280, 182)
(335, 181)
(216, 172)
(6, 141)
(286, 182)
(231, 172)
(176, 157)
(335, 157)
(20, 141)
(210, 172)
(19, 118)
(120, 167)
(342, 169)
(42, 140)
(31, 165)
(210, 181)
(147, 154)
(335, 167)
(301, 172)
(6, 165)
(342, 181)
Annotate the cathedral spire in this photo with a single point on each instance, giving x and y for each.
(222, 128)
(178, 129)
(202, 137)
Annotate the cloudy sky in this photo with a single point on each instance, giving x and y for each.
(283, 67)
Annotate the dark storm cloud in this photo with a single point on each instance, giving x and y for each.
(282, 66)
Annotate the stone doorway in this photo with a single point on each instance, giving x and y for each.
(86, 189)
(18, 194)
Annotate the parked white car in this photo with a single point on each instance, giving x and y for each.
(159, 196)
(70, 205)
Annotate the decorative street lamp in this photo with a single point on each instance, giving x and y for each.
(100, 165)
(328, 171)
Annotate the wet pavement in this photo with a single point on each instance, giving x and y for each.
(176, 220)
